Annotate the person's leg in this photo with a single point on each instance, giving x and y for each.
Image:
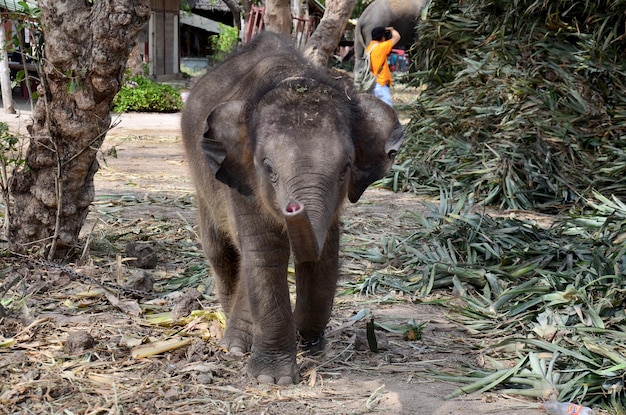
(383, 93)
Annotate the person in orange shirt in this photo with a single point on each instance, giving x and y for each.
(383, 40)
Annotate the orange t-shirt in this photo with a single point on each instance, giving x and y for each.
(378, 58)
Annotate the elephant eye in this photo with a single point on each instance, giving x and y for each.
(344, 172)
(267, 166)
(392, 155)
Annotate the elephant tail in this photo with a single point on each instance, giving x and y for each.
(359, 42)
(359, 48)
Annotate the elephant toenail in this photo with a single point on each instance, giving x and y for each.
(266, 379)
(236, 352)
(285, 381)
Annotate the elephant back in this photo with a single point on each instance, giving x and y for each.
(406, 8)
(401, 14)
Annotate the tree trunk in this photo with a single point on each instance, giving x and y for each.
(278, 16)
(327, 35)
(135, 63)
(236, 9)
(247, 6)
(87, 44)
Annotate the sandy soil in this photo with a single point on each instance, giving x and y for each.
(146, 186)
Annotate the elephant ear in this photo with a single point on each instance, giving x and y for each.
(377, 139)
(225, 146)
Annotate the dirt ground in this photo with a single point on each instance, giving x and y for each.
(144, 194)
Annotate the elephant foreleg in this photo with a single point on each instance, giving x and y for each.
(265, 258)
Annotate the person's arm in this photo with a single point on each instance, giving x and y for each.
(395, 36)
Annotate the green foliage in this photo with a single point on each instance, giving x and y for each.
(11, 158)
(9, 147)
(184, 5)
(26, 10)
(144, 95)
(525, 103)
(225, 42)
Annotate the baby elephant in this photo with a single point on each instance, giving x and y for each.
(274, 147)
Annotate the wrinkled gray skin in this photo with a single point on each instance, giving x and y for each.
(401, 14)
(274, 147)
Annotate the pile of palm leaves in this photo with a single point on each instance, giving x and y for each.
(525, 108)
(526, 102)
(547, 304)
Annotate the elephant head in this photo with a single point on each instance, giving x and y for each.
(298, 148)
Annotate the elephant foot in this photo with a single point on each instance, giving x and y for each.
(311, 342)
(236, 341)
(273, 368)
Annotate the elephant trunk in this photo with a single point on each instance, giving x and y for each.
(307, 244)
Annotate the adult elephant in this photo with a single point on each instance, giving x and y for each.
(401, 14)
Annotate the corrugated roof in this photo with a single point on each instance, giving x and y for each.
(206, 5)
(15, 6)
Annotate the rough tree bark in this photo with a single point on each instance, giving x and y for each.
(278, 16)
(236, 9)
(134, 65)
(327, 35)
(86, 47)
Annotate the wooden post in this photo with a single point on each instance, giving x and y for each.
(5, 76)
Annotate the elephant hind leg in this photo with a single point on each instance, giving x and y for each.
(224, 259)
(311, 342)
(238, 336)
